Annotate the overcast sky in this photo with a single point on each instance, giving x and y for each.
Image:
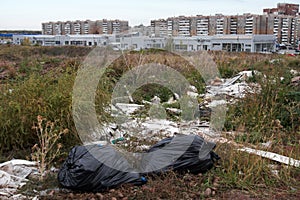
(29, 14)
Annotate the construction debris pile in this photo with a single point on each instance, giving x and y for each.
(219, 92)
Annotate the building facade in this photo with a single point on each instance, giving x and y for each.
(283, 9)
(135, 41)
(85, 27)
(283, 22)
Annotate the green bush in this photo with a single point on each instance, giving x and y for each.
(273, 112)
(23, 101)
(294, 64)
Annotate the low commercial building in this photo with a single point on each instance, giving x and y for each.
(230, 43)
(135, 41)
(63, 40)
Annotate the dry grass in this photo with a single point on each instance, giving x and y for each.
(43, 82)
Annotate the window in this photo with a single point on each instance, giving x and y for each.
(181, 47)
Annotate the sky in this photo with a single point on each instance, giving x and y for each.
(29, 14)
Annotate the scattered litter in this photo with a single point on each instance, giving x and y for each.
(274, 169)
(266, 144)
(158, 125)
(235, 87)
(156, 100)
(174, 110)
(192, 94)
(216, 103)
(249, 74)
(275, 61)
(18, 162)
(143, 147)
(126, 108)
(216, 82)
(13, 176)
(296, 81)
(193, 89)
(294, 72)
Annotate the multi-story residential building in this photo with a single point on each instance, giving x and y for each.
(220, 25)
(104, 27)
(169, 27)
(249, 24)
(297, 31)
(143, 30)
(202, 25)
(47, 28)
(283, 9)
(85, 27)
(66, 28)
(286, 28)
(184, 26)
(57, 29)
(76, 28)
(160, 27)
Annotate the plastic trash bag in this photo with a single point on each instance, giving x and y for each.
(83, 171)
(197, 158)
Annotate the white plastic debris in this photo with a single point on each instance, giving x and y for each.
(156, 125)
(230, 89)
(294, 72)
(193, 89)
(272, 156)
(18, 162)
(174, 110)
(216, 103)
(266, 144)
(126, 108)
(13, 175)
(156, 100)
(296, 80)
(192, 94)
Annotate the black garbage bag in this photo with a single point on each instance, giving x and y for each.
(191, 153)
(84, 170)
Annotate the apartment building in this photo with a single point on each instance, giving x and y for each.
(160, 28)
(285, 28)
(283, 9)
(85, 27)
(184, 26)
(202, 25)
(283, 22)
